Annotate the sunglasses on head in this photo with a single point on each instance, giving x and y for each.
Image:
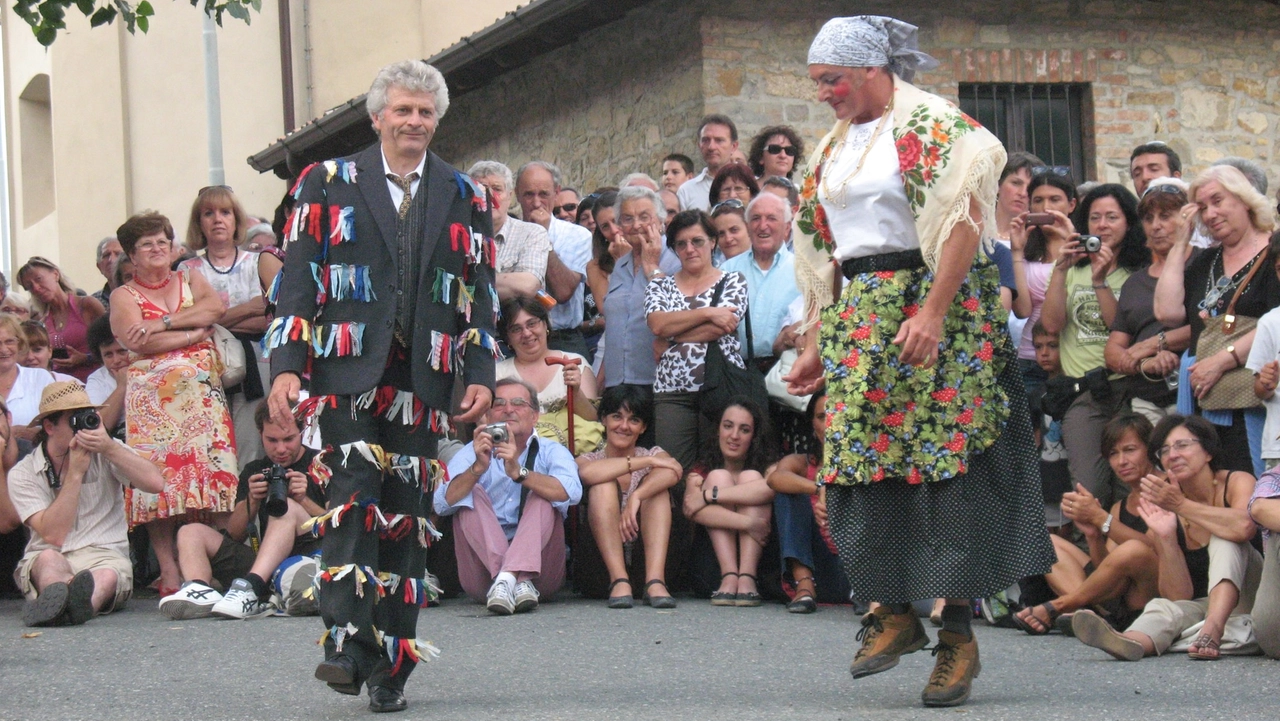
(731, 203)
(207, 188)
(774, 149)
(1061, 171)
(1169, 188)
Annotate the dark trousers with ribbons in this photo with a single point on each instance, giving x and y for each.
(350, 543)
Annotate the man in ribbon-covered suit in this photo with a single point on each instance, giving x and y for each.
(386, 298)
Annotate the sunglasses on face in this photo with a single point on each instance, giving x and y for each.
(566, 208)
(699, 243)
(775, 149)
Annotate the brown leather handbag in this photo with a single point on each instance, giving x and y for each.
(1234, 390)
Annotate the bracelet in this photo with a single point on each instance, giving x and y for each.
(629, 465)
(1161, 343)
(1143, 371)
(1100, 286)
(188, 334)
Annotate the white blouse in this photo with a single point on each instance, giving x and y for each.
(871, 214)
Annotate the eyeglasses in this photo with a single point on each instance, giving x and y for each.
(513, 402)
(731, 203)
(628, 221)
(1109, 217)
(529, 327)
(700, 242)
(1061, 171)
(1169, 188)
(566, 208)
(1179, 446)
(775, 149)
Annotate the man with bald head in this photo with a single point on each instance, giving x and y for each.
(770, 272)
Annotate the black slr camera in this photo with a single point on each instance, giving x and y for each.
(277, 503)
(85, 419)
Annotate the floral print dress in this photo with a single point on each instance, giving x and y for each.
(176, 415)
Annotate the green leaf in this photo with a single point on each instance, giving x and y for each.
(237, 11)
(52, 12)
(143, 23)
(103, 16)
(145, 10)
(45, 34)
(85, 6)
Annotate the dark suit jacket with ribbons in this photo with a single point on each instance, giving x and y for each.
(336, 297)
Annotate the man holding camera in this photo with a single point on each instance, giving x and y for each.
(506, 488)
(68, 491)
(281, 494)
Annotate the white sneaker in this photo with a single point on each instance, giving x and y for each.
(241, 602)
(500, 600)
(526, 597)
(193, 600)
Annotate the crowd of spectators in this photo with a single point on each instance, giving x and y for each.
(137, 447)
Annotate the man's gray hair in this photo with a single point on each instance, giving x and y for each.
(782, 202)
(533, 394)
(556, 178)
(414, 76)
(641, 179)
(102, 245)
(491, 169)
(1256, 176)
(639, 192)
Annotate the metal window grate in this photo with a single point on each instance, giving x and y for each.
(1041, 118)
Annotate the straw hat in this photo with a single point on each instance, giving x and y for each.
(62, 396)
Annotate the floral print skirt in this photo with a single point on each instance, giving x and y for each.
(886, 419)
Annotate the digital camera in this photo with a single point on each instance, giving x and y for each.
(498, 432)
(277, 502)
(85, 419)
(1091, 243)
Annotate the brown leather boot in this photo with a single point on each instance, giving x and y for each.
(954, 670)
(885, 637)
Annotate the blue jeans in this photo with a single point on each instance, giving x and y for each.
(800, 539)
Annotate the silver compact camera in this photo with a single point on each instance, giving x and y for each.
(1091, 243)
(498, 432)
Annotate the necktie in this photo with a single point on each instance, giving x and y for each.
(405, 184)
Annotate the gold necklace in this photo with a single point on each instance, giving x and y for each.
(826, 187)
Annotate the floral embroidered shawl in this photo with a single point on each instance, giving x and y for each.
(946, 159)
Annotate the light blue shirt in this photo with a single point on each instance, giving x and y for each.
(628, 342)
(553, 460)
(572, 244)
(769, 292)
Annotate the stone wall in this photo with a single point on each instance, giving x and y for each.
(614, 102)
(1199, 76)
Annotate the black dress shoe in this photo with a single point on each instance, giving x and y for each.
(340, 673)
(385, 699)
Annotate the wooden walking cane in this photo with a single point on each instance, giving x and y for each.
(569, 399)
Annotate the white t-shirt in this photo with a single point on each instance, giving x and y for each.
(870, 215)
(695, 193)
(100, 385)
(1266, 348)
(24, 397)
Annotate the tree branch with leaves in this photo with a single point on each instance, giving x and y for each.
(47, 17)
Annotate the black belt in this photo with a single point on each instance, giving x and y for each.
(902, 260)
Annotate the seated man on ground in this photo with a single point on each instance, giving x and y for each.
(68, 491)
(206, 553)
(1120, 573)
(1264, 508)
(510, 491)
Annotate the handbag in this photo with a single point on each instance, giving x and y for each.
(230, 355)
(777, 387)
(723, 381)
(1234, 390)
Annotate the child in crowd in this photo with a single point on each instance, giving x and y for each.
(39, 353)
(1263, 361)
(1054, 475)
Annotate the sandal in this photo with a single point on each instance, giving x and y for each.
(724, 598)
(619, 601)
(751, 598)
(1040, 628)
(1197, 651)
(804, 601)
(660, 602)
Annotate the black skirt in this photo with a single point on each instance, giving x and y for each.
(968, 537)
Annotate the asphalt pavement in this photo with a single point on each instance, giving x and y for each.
(575, 659)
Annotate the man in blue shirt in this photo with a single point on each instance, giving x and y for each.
(770, 272)
(510, 496)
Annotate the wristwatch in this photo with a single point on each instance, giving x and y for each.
(168, 321)
(654, 273)
(1106, 525)
(523, 474)
(1232, 350)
